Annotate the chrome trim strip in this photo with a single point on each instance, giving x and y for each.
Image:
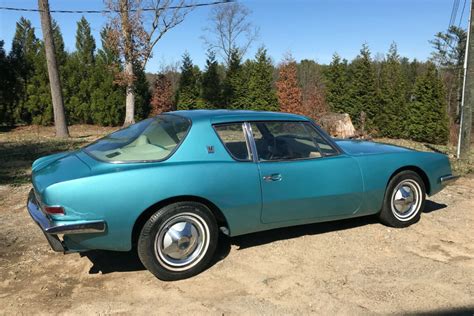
(251, 140)
(50, 227)
(446, 179)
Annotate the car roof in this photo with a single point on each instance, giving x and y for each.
(225, 116)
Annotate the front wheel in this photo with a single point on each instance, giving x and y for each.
(404, 200)
(178, 241)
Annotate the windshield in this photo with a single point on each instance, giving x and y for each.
(149, 140)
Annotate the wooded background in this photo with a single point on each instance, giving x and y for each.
(386, 95)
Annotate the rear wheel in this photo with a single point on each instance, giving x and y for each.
(404, 200)
(178, 241)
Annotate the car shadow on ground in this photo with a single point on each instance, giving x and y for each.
(113, 261)
(431, 206)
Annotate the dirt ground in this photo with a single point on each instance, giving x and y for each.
(347, 267)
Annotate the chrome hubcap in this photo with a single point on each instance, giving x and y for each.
(406, 200)
(182, 241)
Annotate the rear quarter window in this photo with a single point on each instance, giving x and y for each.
(233, 138)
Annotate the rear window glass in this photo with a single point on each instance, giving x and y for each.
(149, 140)
(233, 137)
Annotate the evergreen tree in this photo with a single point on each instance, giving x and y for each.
(235, 84)
(362, 89)
(108, 98)
(79, 70)
(288, 91)
(24, 52)
(7, 88)
(337, 85)
(391, 117)
(211, 82)
(187, 95)
(427, 118)
(39, 103)
(85, 43)
(261, 93)
(142, 94)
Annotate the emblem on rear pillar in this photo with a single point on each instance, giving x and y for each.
(210, 149)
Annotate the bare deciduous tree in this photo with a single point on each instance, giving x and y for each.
(136, 26)
(230, 30)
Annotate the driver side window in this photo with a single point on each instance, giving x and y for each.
(284, 141)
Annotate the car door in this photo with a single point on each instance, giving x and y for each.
(302, 175)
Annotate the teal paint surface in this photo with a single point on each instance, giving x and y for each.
(348, 185)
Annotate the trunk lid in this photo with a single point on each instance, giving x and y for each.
(57, 168)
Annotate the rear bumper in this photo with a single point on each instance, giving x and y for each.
(444, 180)
(52, 229)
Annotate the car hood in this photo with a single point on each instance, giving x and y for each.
(57, 168)
(358, 147)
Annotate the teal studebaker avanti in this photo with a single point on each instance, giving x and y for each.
(167, 185)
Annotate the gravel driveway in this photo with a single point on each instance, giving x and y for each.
(346, 267)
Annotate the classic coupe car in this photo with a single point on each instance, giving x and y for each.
(167, 185)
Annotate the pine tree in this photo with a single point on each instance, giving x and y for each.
(142, 94)
(85, 43)
(8, 83)
(80, 68)
(427, 119)
(337, 85)
(362, 89)
(261, 93)
(108, 98)
(391, 117)
(39, 104)
(187, 95)
(24, 51)
(288, 91)
(162, 98)
(211, 82)
(232, 81)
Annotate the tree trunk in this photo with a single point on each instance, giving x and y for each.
(130, 97)
(53, 73)
(466, 111)
(129, 75)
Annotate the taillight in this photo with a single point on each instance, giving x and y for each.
(54, 210)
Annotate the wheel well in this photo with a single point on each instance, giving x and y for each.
(146, 214)
(419, 171)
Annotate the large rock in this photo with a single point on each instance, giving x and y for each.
(338, 125)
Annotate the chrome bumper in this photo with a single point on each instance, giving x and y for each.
(447, 179)
(51, 229)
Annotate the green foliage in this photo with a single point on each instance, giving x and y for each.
(211, 82)
(7, 88)
(108, 98)
(391, 116)
(235, 85)
(362, 89)
(142, 95)
(187, 96)
(337, 85)
(78, 75)
(260, 91)
(426, 114)
(23, 55)
(39, 103)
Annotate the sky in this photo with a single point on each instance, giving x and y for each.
(308, 29)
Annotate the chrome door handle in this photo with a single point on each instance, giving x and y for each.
(273, 177)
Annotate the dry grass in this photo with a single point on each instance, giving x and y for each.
(20, 146)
